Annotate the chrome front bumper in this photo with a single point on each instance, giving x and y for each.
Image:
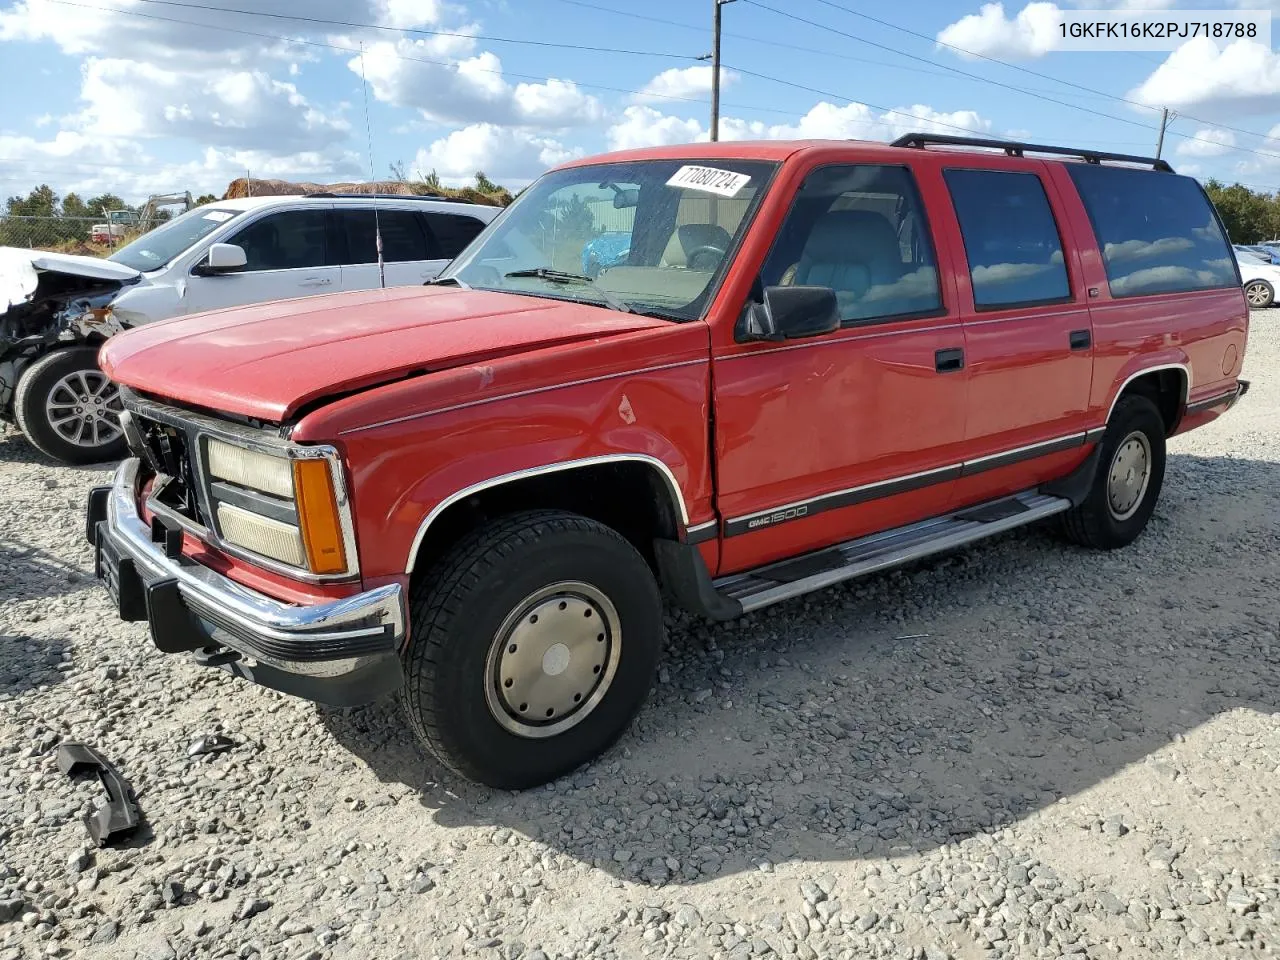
(340, 652)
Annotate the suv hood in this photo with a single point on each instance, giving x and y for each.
(20, 272)
(268, 360)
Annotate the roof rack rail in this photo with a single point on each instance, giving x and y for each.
(325, 194)
(1015, 148)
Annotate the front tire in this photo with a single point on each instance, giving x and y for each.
(1128, 480)
(533, 645)
(68, 409)
(1260, 294)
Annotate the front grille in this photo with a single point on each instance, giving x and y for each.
(167, 450)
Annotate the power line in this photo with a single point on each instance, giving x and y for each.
(874, 106)
(400, 56)
(1102, 94)
(997, 83)
(415, 30)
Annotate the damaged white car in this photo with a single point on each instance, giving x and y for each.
(57, 309)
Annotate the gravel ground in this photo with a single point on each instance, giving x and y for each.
(1023, 750)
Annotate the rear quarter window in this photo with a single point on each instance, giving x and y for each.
(1157, 231)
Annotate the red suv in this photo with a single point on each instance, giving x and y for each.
(814, 360)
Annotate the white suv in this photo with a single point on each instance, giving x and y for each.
(224, 254)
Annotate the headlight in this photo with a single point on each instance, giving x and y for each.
(285, 509)
(248, 468)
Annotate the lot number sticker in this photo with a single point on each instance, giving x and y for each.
(726, 183)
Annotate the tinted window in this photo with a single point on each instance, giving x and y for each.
(402, 236)
(284, 241)
(1157, 231)
(1010, 238)
(861, 231)
(452, 232)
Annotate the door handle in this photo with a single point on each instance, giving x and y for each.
(1080, 339)
(315, 281)
(948, 361)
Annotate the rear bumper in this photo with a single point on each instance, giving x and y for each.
(341, 652)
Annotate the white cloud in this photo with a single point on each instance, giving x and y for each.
(1031, 33)
(646, 127)
(1243, 77)
(510, 155)
(1209, 142)
(683, 83)
(643, 126)
(430, 76)
(242, 109)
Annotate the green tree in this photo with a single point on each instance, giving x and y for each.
(107, 201)
(206, 198)
(1248, 215)
(484, 184)
(73, 206)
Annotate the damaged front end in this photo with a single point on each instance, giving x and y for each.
(52, 301)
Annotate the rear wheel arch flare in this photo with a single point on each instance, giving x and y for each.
(637, 494)
(1167, 385)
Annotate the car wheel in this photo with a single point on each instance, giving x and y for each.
(533, 644)
(68, 409)
(1260, 294)
(1128, 480)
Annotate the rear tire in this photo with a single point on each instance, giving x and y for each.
(1128, 480)
(533, 644)
(1260, 294)
(68, 409)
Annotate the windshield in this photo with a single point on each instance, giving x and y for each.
(154, 249)
(652, 236)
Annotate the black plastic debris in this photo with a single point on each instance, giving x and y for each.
(118, 817)
(213, 743)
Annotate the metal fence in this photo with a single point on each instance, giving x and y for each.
(68, 234)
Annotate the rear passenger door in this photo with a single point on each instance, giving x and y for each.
(1027, 330)
(407, 253)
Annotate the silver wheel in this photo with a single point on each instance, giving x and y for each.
(1129, 475)
(1258, 294)
(83, 408)
(552, 659)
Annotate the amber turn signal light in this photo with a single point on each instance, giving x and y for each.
(318, 517)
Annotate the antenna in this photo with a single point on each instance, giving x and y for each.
(368, 129)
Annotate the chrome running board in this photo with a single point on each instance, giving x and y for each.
(844, 561)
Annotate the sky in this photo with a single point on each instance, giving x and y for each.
(155, 96)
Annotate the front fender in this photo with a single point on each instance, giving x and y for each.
(405, 471)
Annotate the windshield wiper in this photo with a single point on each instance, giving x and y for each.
(561, 276)
(441, 281)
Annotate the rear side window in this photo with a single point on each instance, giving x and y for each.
(453, 231)
(1157, 231)
(1010, 238)
(402, 237)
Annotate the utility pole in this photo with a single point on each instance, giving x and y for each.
(715, 67)
(1164, 122)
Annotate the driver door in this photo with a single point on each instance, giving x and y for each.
(845, 434)
(286, 256)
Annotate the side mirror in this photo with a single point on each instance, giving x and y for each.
(222, 258)
(792, 313)
(622, 199)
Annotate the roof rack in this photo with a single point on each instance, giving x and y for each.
(1015, 148)
(386, 196)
